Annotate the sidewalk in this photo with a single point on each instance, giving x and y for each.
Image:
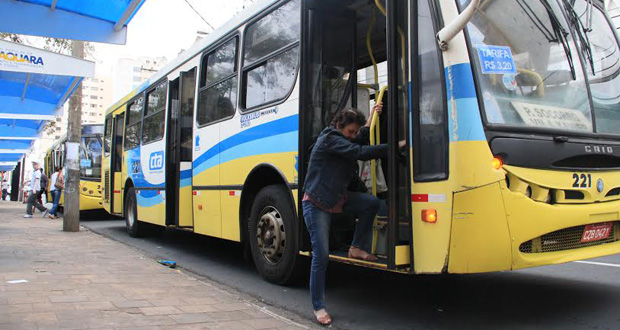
(85, 281)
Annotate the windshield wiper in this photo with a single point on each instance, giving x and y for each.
(580, 29)
(560, 34)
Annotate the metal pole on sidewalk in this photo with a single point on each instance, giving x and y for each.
(71, 219)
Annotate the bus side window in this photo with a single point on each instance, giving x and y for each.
(431, 132)
(107, 136)
(154, 120)
(271, 56)
(134, 123)
(217, 97)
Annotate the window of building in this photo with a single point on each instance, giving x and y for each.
(94, 88)
(217, 97)
(134, 123)
(94, 97)
(271, 56)
(154, 120)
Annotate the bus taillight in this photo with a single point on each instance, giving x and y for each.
(429, 216)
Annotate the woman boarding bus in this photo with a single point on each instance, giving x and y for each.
(218, 141)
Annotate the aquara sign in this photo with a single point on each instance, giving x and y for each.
(16, 58)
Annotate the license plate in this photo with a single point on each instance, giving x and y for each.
(596, 232)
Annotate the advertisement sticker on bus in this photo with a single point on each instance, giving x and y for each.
(496, 60)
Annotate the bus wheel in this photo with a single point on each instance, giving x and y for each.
(273, 235)
(134, 227)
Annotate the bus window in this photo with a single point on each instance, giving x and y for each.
(271, 56)
(107, 137)
(90, 158)
(605, 81)
(217, 99)
(431, 138)
(134, 123)
(154, 114)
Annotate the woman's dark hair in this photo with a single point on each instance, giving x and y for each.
(348, 116)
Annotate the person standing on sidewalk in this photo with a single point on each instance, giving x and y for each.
(5, 186)
(35, 187)
(58, 182)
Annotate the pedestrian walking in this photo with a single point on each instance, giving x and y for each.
(57, 184)
(5, 186)
(35, 187)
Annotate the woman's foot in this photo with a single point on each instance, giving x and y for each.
(322, 317)
(357, 253)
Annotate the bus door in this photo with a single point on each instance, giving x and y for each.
(105, 163)
(179, 151)
(345, 48)
(116, 166)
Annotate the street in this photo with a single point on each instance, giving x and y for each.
(570, 296)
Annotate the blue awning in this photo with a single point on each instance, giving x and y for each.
(34, 86)
(93, 20)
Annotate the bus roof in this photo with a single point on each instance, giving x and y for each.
(197, 48)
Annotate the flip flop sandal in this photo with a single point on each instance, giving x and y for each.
(324, 320)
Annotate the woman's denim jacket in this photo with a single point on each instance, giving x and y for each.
(333, 164)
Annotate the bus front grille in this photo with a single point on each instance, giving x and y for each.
(567, 239)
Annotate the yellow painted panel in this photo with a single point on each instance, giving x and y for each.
(470, 167)
(185, 207)
(118, 193)
(230, 214)
(480, 239)
(402, 255)
(207, 215)
(153, 214)
(431, 240)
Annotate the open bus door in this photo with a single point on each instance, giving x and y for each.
(179, 151)
(335, 54)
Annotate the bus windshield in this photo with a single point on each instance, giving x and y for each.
(530, 72)
(90, 158)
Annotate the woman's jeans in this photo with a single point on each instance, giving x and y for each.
(56, 197)
(365, 207)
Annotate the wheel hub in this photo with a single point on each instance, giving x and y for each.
(270, 235)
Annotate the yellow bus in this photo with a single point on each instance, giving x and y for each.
(511, 119)
(90, 166)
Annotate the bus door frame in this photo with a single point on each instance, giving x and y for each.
(114, 158)
(174, 213)
(173, 153)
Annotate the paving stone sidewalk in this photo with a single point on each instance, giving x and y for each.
(86, 281)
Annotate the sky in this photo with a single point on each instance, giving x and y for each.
(165, 27)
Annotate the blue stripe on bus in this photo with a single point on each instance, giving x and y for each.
(469, 127)
(286, 142)
(186, 178)
(144, 201)
(460, 81)
(278, 127)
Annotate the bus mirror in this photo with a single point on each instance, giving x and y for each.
(449, 31)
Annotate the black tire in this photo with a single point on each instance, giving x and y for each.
(135, 228)
(276, 263)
